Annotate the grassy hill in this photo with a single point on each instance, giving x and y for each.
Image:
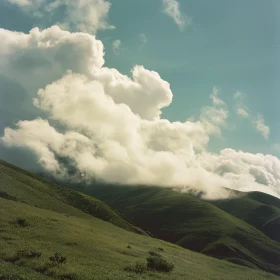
(46, 233)
(195, 224)
(258, 209)
(33, 190)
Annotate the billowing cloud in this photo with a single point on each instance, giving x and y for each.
(116, 46)
(172, 9)
(261, 127)
(79, 15)
(95, 123)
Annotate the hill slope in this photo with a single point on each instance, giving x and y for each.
(20, 185)
(258, 209)
(93, 248)
(194, 224)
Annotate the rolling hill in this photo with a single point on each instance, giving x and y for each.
(49, 232)
(258, 209)
(199, 225)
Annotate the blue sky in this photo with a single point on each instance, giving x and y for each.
(194, 45)
(233, 45)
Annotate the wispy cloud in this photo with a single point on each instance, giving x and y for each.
(172, 9)
(215, 99)
(261, 127)
(116, 46)
(243, 111)
(240, 108)
(143, 41)
(79, 15)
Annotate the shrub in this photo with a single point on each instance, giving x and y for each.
(12, 259)
(10, 277)
(128, 247)
(138, 268)
(152, 253)
(160, 249)
(58, 259)
(22, 222)
(159, 264)
(29, 254)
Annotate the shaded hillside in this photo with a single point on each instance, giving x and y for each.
(258, 209)
(194, 224)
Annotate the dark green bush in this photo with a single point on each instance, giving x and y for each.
(152, 253)
(22, 222)
(12, 259)
(29, 254)
(10, 277)
(57, 259)
(159, 264)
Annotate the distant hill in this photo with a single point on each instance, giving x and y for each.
(258, 209)
(49, 232)
(236, 230)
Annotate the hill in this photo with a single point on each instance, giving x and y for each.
(33, 190)
(194, 224)
(43, 236)
(258, 209)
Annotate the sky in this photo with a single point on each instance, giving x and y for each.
(161, 92)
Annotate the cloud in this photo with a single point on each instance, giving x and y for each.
(214, 96)
(261, 127)
(240, 108)
(20, 2)
(143, 41)
(116, 46)
(93, 122)
(172, 9)
(79, 15)
(243, 111)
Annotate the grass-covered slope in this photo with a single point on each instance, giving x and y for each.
(258, 209)
(194, 224)
(22, 186)
(93, 249)
(47, 233)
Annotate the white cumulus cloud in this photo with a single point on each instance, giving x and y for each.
(95, 121)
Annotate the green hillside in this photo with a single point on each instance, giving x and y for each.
(194, 224)
(45, 233)
(258, 209)
(33, 190)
